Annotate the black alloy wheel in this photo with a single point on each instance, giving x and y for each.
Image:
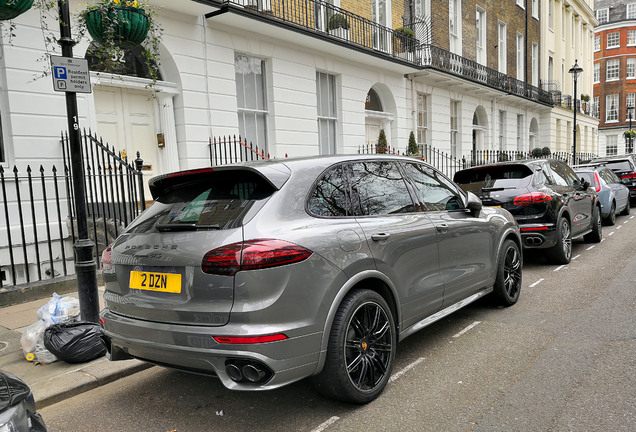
(596, 235)
(361, 349)
(611, 217)
(561, 252)
(508, 283)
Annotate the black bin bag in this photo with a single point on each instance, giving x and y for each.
(75, 342)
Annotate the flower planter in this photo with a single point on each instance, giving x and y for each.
(340, 33)
(10, 9)
(129, 25)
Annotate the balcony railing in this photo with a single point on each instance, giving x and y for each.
(319, 17)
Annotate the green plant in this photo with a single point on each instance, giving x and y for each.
(412, 148)
(338, 21)
(405, 31)
(382, 146)
(537, 152)
(585, 98)
(629, 134)
(545, 151)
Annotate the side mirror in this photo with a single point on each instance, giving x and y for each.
(584, 184)
(474, 204)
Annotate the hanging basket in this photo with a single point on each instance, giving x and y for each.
(129, 25)
(10, 9)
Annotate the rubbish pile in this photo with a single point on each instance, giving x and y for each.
(59, 335)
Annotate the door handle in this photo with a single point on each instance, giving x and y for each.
(380, 236)
(443, 228)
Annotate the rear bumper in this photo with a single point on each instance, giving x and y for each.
(192, 348)
(538, 236)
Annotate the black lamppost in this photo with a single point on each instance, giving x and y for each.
(575, 71)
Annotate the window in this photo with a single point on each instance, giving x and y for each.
(611, 108)
(631, 10)
(597, 73)
(329, 197)
(613, 40)
(454, 25)
(551, 13)
(327, 112)
(612, 70)
(480, 22)
(602, 16)
(251, 99)
(535, 64)
(629, 105)
(435, 192)
(535, 9)
(631, 67)
(597, 43)
(596, 108)
(502, 47)
(422, 121)
(519, 132)
(2, 154)
(502, 130)
(377, 188)
(631, 37)
(520, 57)
(454, 127)
(611, 147)
(521, 4)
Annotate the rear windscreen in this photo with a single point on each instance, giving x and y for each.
(503, 176)
(619, 166)
(219, 200)
(589, 176)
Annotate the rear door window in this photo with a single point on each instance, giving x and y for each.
(378, 188)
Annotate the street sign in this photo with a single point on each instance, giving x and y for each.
(70, 74)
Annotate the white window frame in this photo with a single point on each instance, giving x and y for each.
(521, 4)
(630, 102)
(611, 108)
(596, 76)
(551, 14)
(502, 47)
(534, 49)
(480, 23)
(455, 26)
(535, 9)
(630, 68)
(613, 70)
(327, 144)
(520, 57)
(262, 112)
(454, 127)
(613, 40)
(630, 11)
(597, 42)
(631, 37)
(502, 130)
(611, 145)
(422, 120)
(596, 108)
(602, 15)
(520, 133)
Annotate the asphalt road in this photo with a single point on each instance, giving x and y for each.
(562, 359)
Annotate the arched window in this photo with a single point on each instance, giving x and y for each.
(373, 102)
(131, 62)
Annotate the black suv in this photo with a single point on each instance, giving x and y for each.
(624, 167)
(549, 202)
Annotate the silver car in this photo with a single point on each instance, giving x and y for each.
(612, 193)
(265, 273)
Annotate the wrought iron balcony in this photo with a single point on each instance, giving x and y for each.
(333, 23)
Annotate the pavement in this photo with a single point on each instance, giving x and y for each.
(57, 381)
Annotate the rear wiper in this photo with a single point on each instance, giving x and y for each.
(493, 189)
(185, 227)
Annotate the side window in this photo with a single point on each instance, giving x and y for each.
(378, 188)
(330, 196)
(560, 178)
(435, 192)
(570, 176)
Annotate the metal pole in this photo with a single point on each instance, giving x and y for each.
(630, 130)
(85, 265)
(575, 108)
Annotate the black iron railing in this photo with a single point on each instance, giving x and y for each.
(37, 213)
(228, 150)
(326, 20)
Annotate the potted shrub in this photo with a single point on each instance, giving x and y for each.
(412, 149)
(10, 9)
(382, 146)
(339, 26)
(403, 41)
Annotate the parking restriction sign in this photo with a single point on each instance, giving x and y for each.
(70, 74)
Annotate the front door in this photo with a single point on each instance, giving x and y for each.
(126, 121)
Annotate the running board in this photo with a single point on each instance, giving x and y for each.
(443, 313)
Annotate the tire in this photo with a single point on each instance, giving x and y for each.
(627, 208)
(611, 217)
(561, 252)
(597, 227)
(361, 349)
(508, 282)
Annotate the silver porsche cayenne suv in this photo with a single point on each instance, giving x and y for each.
(264, 273)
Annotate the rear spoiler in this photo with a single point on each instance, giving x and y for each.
(276, 175)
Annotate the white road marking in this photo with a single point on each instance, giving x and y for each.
(406, 369)
(603, 239)
(619, 227)
(536, 283)
(590, 248)
(326, 424)
(466, 329)
(560, 267)
(612, 233)
(573, 258)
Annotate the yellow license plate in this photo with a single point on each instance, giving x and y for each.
(150, 281)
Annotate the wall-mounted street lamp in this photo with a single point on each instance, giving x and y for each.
(575, 71)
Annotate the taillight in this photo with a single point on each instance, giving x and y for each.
(629, 176)
(252, 255)
(597, 183)
(106, 256)
(250, 339)
(531, 198)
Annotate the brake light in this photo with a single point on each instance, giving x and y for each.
(543, 228)
(251, 339)
(629, 176)
(252, 255)
(597, 183)
(531, 198)
(106, 257)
